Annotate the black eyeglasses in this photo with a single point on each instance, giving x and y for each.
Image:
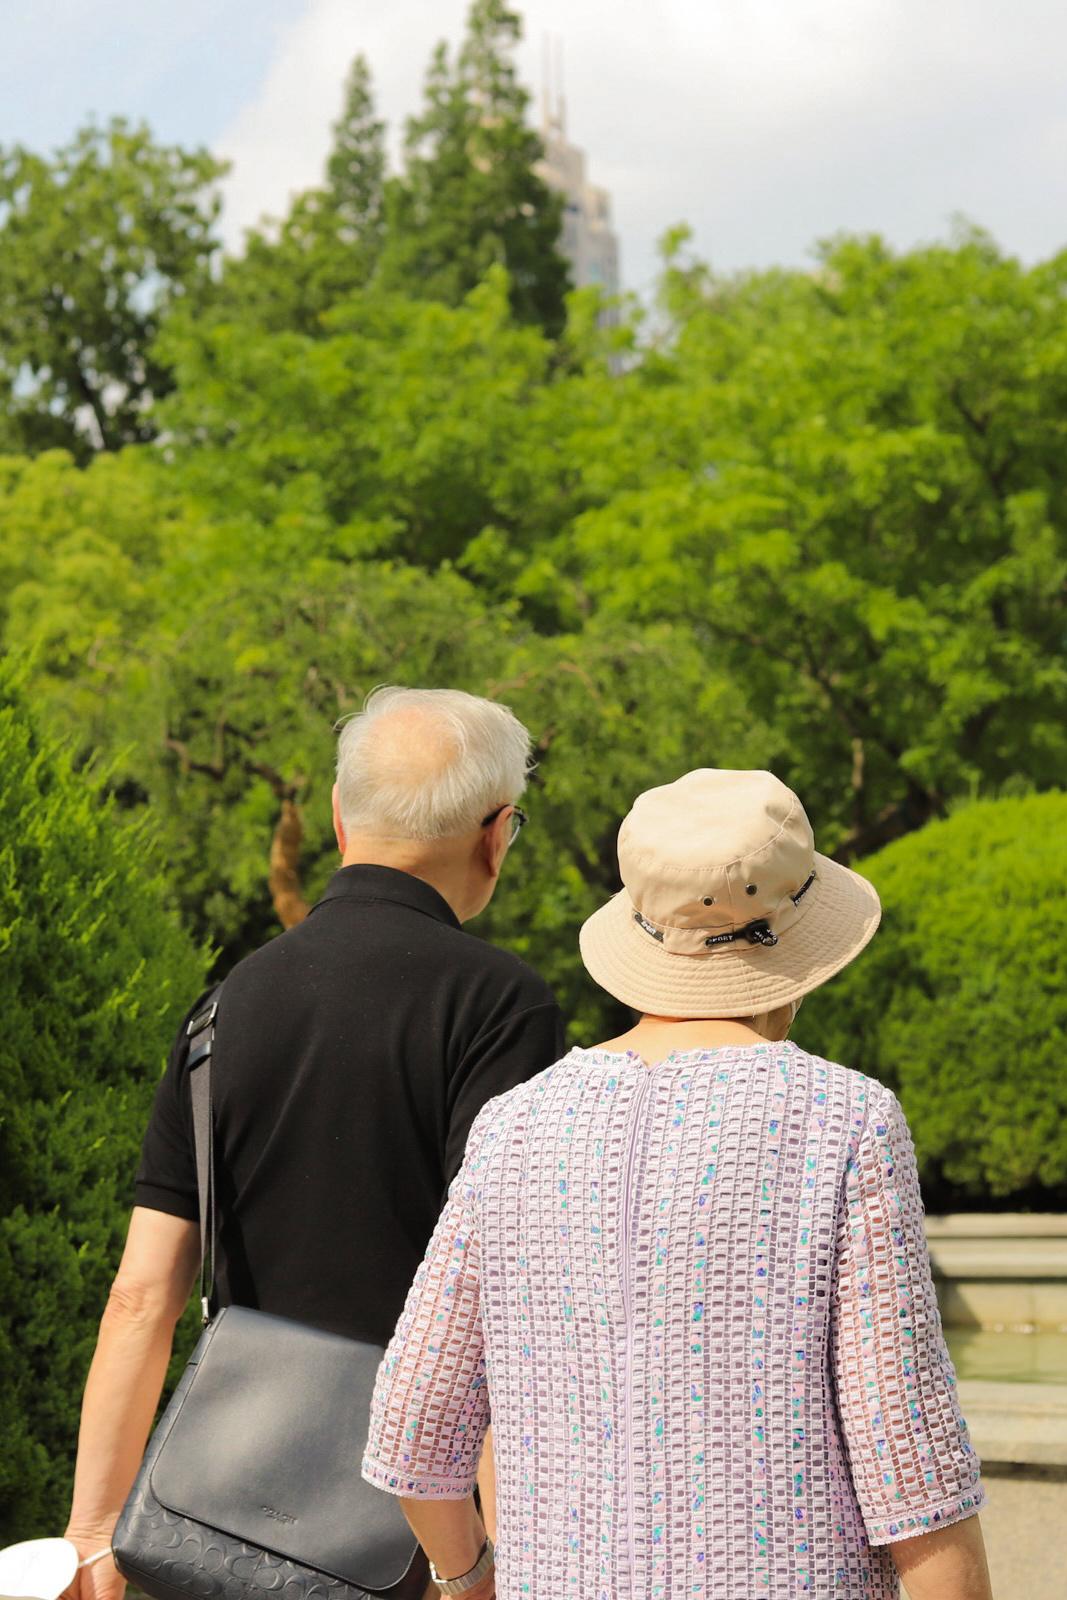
(518, 820)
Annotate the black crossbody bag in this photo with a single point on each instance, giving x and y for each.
(251, 1482)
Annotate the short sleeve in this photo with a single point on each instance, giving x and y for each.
(911, 1459)
(166, 1175)
(430, 1410)
(509, 1052)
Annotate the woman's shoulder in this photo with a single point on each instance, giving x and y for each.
(859, 1097)
(503, 1110)
(866, 1095)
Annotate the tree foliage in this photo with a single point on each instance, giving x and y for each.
(96, 245)
(470, 196)
(855, 495)
(792, 477)
(779, 506)
(355, 169)
(329, 244)
(960, 1003)
(95, 972)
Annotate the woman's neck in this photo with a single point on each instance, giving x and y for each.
(653, 1038)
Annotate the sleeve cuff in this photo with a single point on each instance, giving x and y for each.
(172, 1201)
(398, 1483)
(912, 1521)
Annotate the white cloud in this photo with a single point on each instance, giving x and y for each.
(765, 123)
(279, 141)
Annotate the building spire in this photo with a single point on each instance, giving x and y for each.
(587, 238)
(553, 104)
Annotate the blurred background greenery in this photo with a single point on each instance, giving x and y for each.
(811, 521)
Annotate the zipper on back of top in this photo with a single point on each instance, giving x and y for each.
(637, 1113)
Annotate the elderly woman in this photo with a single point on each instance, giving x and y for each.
(685, 1271)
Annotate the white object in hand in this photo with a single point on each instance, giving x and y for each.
(40, 1569)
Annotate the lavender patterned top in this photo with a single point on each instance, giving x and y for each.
(697, 1300)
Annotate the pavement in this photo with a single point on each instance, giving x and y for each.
(1020, 1432)
(1025, 1527)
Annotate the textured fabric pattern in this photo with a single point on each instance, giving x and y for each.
(696, 1299)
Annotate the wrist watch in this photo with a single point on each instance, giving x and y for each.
(469, 1579)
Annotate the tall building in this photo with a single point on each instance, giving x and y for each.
(588, 240)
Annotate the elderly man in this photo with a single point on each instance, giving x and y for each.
(352, 1055)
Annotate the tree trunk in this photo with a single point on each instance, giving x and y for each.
(284, 876)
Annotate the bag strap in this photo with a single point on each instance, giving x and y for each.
(201, 1035)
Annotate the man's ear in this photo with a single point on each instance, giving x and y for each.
(496, 842)
(338, 825)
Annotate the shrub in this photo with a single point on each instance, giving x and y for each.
(960, 1003)
(94, 974)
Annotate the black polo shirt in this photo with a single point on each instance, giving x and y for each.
(352, 1055)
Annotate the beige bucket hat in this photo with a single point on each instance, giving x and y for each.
(727, 909)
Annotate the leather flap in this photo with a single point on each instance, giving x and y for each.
(268, 1445)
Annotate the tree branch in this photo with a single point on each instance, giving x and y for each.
(892, 822)
(210, 769)
(283, 873)
(93, 401)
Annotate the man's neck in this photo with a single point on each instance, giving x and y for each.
(447, 877)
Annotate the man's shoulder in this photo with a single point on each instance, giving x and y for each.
(178, 1050)
(504, 967)
(488, 983)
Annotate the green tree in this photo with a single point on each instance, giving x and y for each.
(95, 972)
(470, 195)
(789, 478)
(611, 711)
(355, 168)
(328, 246)
(80, 550)
(403, 429)
(230, 728)
(205, 667)
(960, 1003)
(851, 485)
(95, 245)
(778, 506)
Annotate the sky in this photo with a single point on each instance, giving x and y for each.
(765, 124)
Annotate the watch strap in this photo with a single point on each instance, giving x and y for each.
(469, 1579)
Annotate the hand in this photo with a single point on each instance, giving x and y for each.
(101, 1581)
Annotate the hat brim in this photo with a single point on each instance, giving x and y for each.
(735, 980)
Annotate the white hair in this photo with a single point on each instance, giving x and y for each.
(428, 763)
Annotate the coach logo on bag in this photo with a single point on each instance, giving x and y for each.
(279, 1516)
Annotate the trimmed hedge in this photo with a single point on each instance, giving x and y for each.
(95, 972)
(960, 1002)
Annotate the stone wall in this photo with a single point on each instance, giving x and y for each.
(1001, 1272)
